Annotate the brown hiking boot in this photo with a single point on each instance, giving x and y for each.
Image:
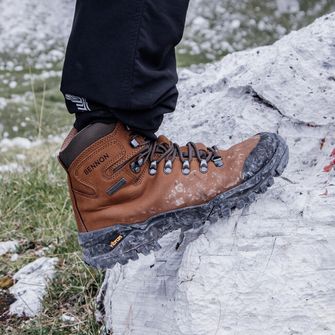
(128, 191)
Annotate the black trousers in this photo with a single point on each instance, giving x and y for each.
(120, 62)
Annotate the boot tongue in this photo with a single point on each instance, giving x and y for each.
(201, 147)
(163, 139)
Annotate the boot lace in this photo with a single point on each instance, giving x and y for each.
(156, 152)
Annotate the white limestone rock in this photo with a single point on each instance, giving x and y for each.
(8, 246)
(269, 269)
(30, 286)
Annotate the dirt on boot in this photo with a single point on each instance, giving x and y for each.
(128, 191)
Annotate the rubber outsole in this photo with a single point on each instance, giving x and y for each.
(142, 238)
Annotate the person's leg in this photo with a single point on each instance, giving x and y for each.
(120, 62)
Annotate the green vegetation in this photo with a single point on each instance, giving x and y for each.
(34, 105)
(35, 209)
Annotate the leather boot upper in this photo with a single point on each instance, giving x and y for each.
(116, 177)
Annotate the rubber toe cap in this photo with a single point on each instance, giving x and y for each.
(261, 155)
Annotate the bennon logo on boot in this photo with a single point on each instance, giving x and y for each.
(116, 240)
(95, 164)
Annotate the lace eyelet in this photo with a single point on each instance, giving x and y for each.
(168, 167)
(135, 167)
(134, 143)
(153, 168)
(186, 168)
(203, 166)
(218, 162)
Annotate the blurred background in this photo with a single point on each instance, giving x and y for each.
(33, 35)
